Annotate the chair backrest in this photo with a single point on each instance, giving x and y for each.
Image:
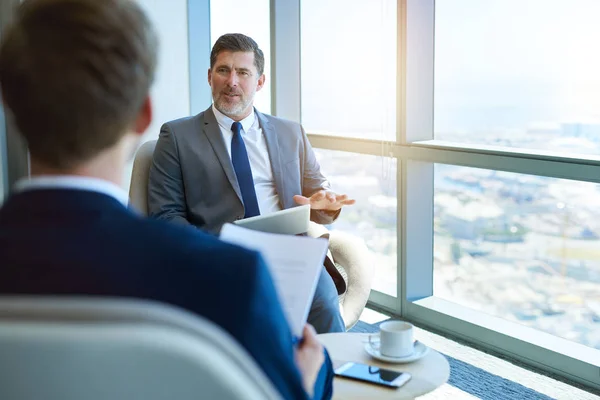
(76, 347)
(138, 189)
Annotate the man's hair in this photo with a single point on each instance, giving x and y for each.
(75, 74)
(238, 42)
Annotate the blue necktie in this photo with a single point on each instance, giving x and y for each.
(241, 165)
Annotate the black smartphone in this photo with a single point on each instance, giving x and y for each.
(375, 375)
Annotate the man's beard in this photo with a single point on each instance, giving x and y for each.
(232, 109)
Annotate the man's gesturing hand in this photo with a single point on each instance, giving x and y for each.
(325, 200)
(309, 358)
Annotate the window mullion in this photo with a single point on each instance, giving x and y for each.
(285, 59)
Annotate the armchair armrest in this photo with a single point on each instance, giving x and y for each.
(350, 255)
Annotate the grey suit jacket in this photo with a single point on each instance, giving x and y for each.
(192, 179)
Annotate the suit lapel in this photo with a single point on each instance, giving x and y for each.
(213, 133)
(273, 149)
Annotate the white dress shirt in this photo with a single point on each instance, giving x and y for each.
(73, 182)
(258, 154)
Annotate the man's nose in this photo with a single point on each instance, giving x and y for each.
(232, 79)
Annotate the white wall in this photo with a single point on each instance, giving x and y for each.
(170, 92)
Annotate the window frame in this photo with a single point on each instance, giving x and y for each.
(416, 152)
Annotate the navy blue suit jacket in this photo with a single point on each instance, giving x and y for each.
(64, 241)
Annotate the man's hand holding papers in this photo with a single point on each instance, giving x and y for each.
(309, 358)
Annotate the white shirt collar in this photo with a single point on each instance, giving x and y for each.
(73, 182)
(225, 122)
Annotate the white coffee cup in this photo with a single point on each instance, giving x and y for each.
(395, 339)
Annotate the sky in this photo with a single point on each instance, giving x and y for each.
(516, 60)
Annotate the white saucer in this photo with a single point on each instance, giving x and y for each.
(419, 352)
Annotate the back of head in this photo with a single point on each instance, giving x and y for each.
(75, 74)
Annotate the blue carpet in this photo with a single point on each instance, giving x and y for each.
(473, 380)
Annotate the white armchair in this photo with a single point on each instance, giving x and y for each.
(73, 347)
(350, 254)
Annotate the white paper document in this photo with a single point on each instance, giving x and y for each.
(295, 263)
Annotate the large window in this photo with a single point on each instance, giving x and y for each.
(518, 73)
(488, 114)
(252, 19)
(349, 67)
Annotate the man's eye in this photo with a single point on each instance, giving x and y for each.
(245, 73)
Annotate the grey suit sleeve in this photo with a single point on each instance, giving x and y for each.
(166, 196)
(313, 181)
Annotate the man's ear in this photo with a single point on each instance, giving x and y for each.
(144, 118)
(261, 82)
(209, 77)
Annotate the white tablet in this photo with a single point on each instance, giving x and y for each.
(288, 222)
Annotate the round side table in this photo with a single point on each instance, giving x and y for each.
(428, 373)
